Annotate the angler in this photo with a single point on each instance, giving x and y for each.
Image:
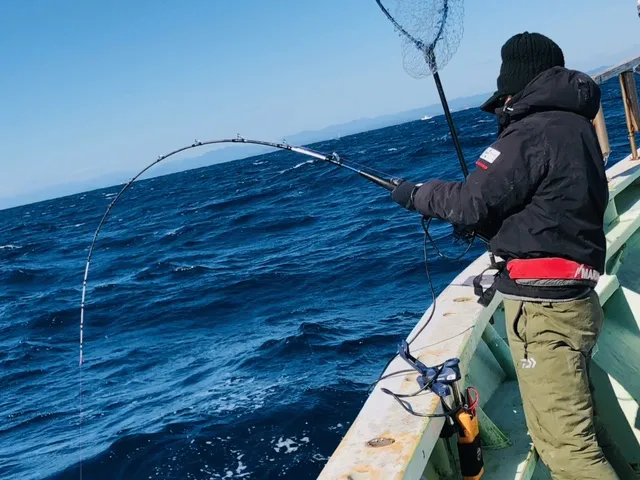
(539, 194)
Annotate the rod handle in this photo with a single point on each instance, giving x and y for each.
(388, 184)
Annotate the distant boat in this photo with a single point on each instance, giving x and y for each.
(427, 117)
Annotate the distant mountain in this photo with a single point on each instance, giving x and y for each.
(595, 71)
(65, 189)
(366, 124)
(308, 137)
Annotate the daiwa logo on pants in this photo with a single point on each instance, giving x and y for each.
(528, 362)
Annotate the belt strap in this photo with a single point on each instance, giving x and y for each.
(485, 296)
(551, 268)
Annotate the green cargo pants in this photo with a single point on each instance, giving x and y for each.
(551, 344)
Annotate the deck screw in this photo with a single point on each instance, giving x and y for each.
(380, 442)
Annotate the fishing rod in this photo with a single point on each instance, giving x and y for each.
(333, 158)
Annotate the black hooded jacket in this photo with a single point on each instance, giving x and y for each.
(540, 190)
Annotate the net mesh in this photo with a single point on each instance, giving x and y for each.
(431, 31)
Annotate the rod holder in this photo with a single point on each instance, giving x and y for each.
(601, 131)
(631, 108)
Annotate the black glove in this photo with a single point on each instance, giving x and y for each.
(403, 194)
(462, 234)
(465, 235)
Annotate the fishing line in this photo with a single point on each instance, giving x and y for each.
(425, 226)
(442, 255)
(407, 406)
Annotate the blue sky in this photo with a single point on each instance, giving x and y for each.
(91, 88)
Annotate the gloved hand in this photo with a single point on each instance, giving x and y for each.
(462, 234)
(403, 194)
(465, 235)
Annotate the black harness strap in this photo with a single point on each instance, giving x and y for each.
(485, 296)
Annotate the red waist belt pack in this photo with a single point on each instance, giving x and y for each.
(552, 269)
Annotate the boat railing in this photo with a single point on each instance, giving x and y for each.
(625, 72)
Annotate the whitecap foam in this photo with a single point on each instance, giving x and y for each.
(303, 163)
(297, 166)
(184, 268)
(290, 444)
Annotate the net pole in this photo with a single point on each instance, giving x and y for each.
(452, 128)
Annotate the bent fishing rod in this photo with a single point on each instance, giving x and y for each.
(434, 42)
(333, 158)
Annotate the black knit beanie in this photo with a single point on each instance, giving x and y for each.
(524, 57)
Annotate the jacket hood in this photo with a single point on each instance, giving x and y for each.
(557, 89)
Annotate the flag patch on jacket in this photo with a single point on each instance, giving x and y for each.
(490, 155)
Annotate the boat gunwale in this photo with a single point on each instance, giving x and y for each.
(632, 64)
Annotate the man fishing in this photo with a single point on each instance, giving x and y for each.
(539, 194)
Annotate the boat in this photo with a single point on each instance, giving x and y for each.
(426, 117)
(385, 442)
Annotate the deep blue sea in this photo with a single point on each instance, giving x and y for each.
(236, 314)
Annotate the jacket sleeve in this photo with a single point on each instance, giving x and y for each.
(507, 175)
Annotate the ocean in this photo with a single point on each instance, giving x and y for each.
(236, 314)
